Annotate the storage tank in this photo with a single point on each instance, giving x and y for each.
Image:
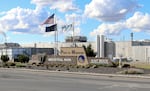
(100, 46)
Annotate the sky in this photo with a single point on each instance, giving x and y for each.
(20, 20)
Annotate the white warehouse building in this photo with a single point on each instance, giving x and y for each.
(137, 50)
(14, 49)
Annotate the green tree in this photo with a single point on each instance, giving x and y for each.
(5, 58)
(89, 51)
(43, 59)
(23, 58)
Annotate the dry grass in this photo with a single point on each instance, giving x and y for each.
(144, 65)
(132, 71)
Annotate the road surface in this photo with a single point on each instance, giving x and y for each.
(25, 80)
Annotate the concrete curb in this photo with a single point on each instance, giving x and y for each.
(83, 73)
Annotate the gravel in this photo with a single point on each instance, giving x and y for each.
(104, 70)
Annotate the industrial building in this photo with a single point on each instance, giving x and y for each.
(14, 49)
(76, 39)
(136, 50)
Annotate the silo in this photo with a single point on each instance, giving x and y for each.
(98, 46)
(101, 46)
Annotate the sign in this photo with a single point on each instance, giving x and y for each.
(60, 59)
(75, 52)
(71, 51)
(99, 61)
(81, 58)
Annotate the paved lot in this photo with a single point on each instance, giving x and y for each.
(25, 80)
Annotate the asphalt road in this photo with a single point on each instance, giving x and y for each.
(25, 80)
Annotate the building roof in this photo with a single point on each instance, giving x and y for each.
(76, 39)
(10, 45)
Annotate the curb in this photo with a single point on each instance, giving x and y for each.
(83, 73)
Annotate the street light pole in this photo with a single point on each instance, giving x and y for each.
(120, 61)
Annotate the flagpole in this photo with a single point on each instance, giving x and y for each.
(55, 51)
(52, 20)
(56, 35)
(74, 45)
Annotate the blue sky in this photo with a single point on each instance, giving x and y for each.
(20, 19)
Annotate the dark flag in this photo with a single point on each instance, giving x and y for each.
(49, 20)
(51, 28)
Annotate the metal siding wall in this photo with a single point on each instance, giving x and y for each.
(110, 49)
(123, 48)
(140, 53)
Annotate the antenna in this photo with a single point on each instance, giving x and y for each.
(4, 34)
(131, 36)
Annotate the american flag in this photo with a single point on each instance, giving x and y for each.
(49, 20)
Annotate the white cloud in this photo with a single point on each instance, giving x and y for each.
(110, 10)
(109, 29)
(137, 23)
(23, 20)
(20, 20)
(61, 5)
(77, 20)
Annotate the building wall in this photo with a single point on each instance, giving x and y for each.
(59, 45)
(110, 46)
(141, 53)
(138, 51)
(123, 48)
(17, 51)
(13, 52)
(6, 52)
(49, 51)
(109, 49)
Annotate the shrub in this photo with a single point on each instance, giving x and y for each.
(58, 70)
(77, 66)
(71, 66)
(126, 66)
(11, 64)
(21, 65)
(56, 65)
(94, 66)
(51, 65)
(67, 68)
(89, 51)
(43, 59)
(61, 65)
(22, 58)
(82, 66)
(33, 63)
(5, 58)
(87, 66)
